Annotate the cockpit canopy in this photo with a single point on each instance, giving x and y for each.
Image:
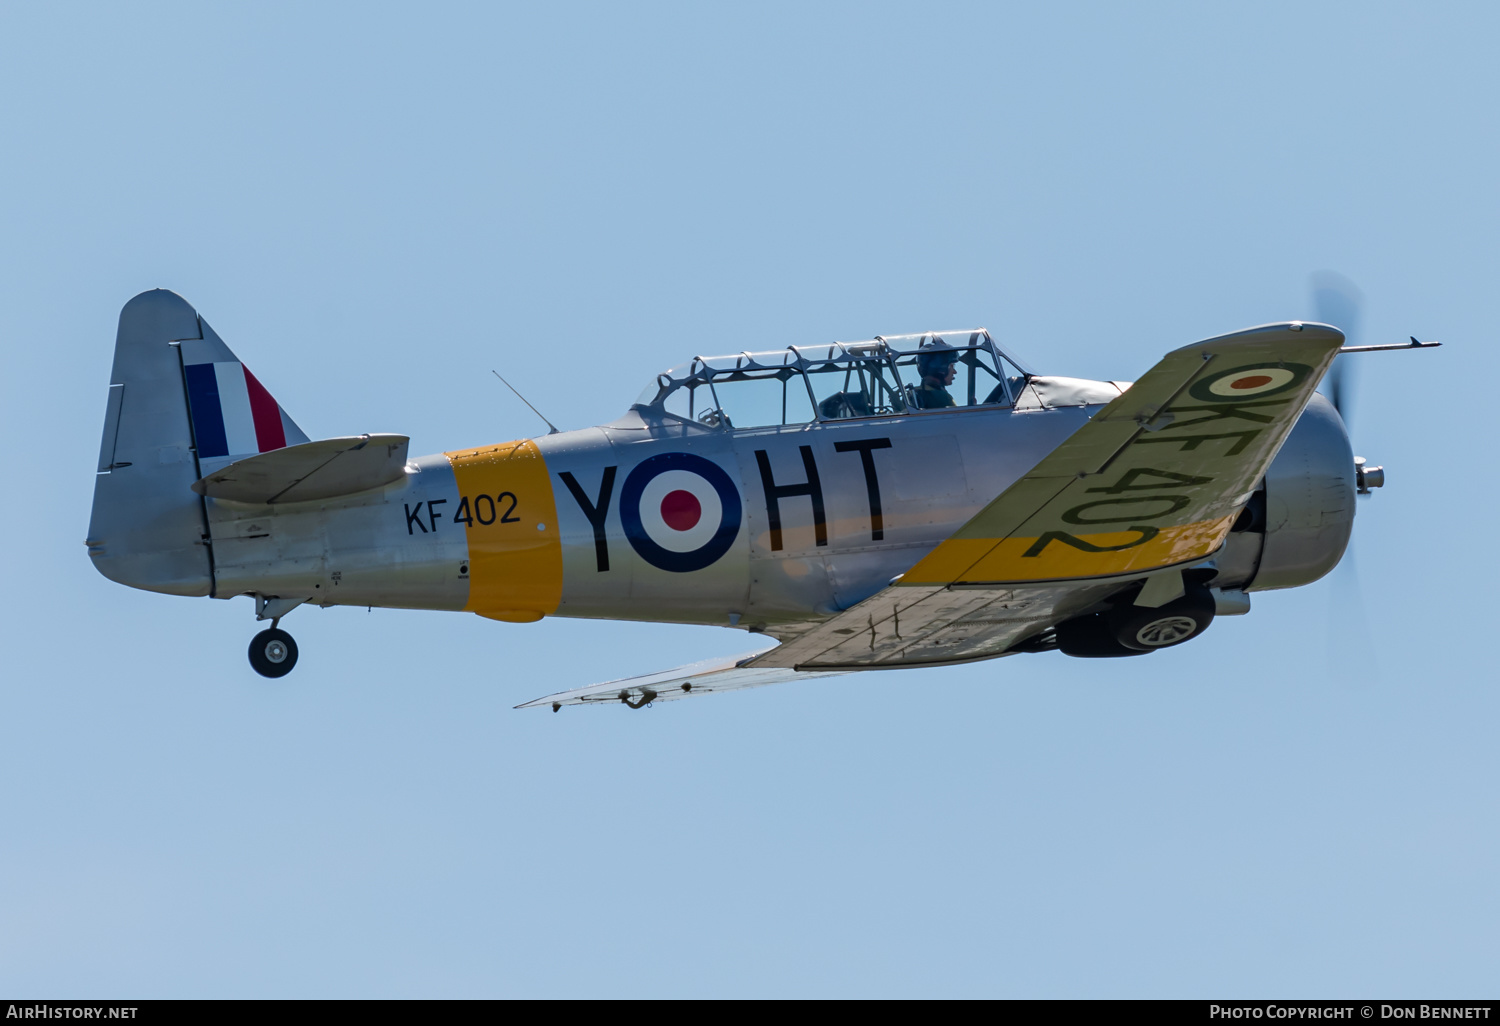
(885, 376)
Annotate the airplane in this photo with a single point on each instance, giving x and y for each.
(902, 501)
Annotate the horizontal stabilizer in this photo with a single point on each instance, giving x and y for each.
(310, 471)
(707, 677)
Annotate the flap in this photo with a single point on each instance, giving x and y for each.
(310, 471)
(930, 626)
(704, 678)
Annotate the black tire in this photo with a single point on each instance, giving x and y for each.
(1090, 637)
(273, 653)
(1181, 620)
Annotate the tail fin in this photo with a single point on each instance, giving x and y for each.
(181, 405)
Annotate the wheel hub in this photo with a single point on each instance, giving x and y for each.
(1167, 631)
(275, 652)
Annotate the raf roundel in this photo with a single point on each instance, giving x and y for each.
(680, 512)
(1252, 382)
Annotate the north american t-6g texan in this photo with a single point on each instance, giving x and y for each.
(903, 501)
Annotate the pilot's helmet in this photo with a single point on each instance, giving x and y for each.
(935, 357)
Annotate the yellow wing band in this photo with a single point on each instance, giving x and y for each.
(1059, 555)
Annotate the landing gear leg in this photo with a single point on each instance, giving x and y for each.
(647, 697)
(273, 653)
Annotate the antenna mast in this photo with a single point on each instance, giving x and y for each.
(553, 429)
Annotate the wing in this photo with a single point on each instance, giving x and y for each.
(1153, 481)
(708, 677)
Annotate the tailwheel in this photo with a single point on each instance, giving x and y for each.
(273, 653)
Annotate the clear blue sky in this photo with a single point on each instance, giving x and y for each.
(376, 204)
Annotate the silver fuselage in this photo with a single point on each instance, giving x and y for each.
(422, 542)
(669, 513)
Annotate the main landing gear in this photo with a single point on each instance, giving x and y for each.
(1131, 630)
(1127, 629)
(273, 653)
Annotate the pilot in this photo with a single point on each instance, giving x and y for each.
(937, 363)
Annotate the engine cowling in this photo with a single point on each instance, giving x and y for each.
(1297, 530)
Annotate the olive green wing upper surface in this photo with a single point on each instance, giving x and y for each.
(1156, 477)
